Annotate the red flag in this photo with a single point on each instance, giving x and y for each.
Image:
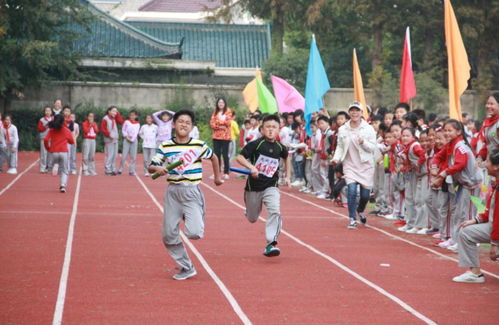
(407, 84)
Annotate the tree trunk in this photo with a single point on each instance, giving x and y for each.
(5, 107)
(277, 29)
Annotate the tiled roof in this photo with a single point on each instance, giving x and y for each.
(110, 37)
(242, 46)
(180, 5)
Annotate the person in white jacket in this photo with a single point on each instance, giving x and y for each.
(355, 150)
(130, 133)
(11, 140)
(148, 133)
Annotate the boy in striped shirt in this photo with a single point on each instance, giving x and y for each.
(183, 198)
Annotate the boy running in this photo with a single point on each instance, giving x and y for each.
(262, 157)
(183, 198)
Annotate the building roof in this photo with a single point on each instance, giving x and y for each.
(239, 46)
(180, 5)
(110, 37)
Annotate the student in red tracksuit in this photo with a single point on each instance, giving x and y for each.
(481, 229)
(415, 157)
(460, 175)
(43, 129)
(90, 131)
(56, 142)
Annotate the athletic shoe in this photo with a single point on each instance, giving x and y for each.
(271, 251)
(73, 172)
(362, 217)
(330, 197)
(352, 224)
(446, 243)
(452, 247)
(147, 174)
(422, 231)
(93, 173)
(437, 235)
(185, 274)
(131, 174)
(411, 230)
(117, 173)
(43, 171)
(62, 189)
(321, 196)
(307, 191)
(298, 183)
(399, 223)
(390, 216)
(375, 212)
(431, 231)
(226, 176)
(403, 228)
(469, 277)
(12, 171)
(86, 174)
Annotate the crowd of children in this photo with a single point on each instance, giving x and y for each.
(422, 172)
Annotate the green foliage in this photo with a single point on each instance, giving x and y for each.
(429, 93)
(35, 42)
(291, 66)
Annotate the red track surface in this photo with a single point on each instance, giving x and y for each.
(120, 272)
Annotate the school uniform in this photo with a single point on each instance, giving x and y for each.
(148, 134)
(72, 148)
(415, 158)
(462, 181)
(88, 147)
(130, 132)
(56, 142)
(109, 127)
(43, 129)
(164, 128)
(379, 191)
(487, 137)
(183, 198)
(317, 181)
(3, 146)
(11, 145)
(396, 187)
(485, 231)
(430, 196)
(265, 156)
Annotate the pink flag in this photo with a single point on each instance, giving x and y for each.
(407, 84)
(288, 98)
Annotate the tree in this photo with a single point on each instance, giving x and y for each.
(35, 43)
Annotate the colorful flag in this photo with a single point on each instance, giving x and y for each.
(266, 101)
(317, 84)
(407, 83)
(358, 88)
(458, 65)
(288, 98)
(250, 93)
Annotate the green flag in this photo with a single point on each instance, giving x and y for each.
(266, 101)
(477, 202)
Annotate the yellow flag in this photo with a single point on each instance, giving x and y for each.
(358, 88)
(250, 93)
(458, 65)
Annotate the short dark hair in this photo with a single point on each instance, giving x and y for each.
(66, 106)
(295, 125)
(323, 118)
(412, 118)
(347, 117)
(57, 122)
(377, 117)
(110, 108)
(133, 111)
(420, 114)
(187, 112)
(246, 122)
(403, 105)
(271, 117)
(494, 156)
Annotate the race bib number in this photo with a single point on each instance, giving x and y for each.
(189, 157)
(267, 166)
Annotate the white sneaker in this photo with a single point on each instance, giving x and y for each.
(12, 171)
(147, 174)
(307, 190)
(321, 196)
(411, 230)
(403, 228)
(390, 216)
(469, 277)
(446, 243)
(423, 231)
(452, 248)
(226, 176)
(73, 172)
(296, 183)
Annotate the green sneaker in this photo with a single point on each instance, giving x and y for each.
(271, 251)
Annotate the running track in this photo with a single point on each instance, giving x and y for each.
(113, 269)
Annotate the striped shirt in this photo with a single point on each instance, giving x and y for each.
(192, 153)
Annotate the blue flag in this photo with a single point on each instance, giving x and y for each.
(317, 85)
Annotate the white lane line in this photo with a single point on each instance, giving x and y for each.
(61, 296)
(17, 177)
(387, 233)
(233, 302)
(385, 293)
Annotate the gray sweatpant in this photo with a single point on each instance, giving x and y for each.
(411, 183)
(396, 193)
(464, 208)
(271, 197)
(379, 189)
(433, 206)
(44, 163)
(467, 239)
(421, 198)
(72, 157)
(148, 154)
(88, 152)
(319, 175)
(182, 202)
(129, 148)
(110, 153)
(61, 158)
(446, 210)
